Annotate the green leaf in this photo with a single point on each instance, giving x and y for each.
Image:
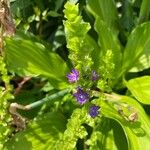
(143, 62)
(137, 133)
(106, 25)
(59, 4)
(42, 134)
(107, 12)
(27, 56)
(140, 88)
(127, 19)
(106, 135)
(144, 11)
(95, 53)
(109, 41)
(138, 45)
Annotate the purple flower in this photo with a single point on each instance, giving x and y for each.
(95, 76)
(81, 96)
(93, 111)
(73, 76)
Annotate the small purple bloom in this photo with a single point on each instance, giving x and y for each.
(81, 96)
(73, 76)
(93, 111)
(95, 76)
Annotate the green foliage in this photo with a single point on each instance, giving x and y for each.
(5, 95)
(137, 46)
(41, 134)
(140, 88)
(106, 27)
(106, 36)
(97, 8)
(27, 56)
(76, 30)
(74, 130)
(144, 11)
(106, 135)
(103, 36)
(127, 19)
(137, 132)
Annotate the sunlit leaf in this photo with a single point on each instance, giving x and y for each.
(142, 63)
(42, 134)
(106, 135)
(108, 41)
(27, 56)
(95, 53)
(137, 133)
(140, 88)
(106, 25)
(107, 12)
(137, 46)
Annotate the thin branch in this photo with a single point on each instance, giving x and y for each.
(20, 85)
(14, 106)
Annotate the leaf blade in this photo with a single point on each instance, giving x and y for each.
(138, 44)
(28, 57)
(42, 134)
(140, 88)
(138, 133)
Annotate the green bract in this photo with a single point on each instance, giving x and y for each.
(76, 34)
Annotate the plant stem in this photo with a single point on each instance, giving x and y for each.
(112, 97)
(47, 99)
(14, 106)
(20, 85)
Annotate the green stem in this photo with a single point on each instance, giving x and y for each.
(14, 106)
(144, 11)
(47, 99)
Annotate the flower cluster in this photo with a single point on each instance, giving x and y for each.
(81, 95)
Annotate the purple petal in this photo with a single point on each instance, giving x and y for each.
(81, 96)
(94, 111)
(73, 76)
(95, 76)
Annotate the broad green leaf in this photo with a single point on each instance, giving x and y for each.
(95, 53)
(107, 12)
(109, 41)
(144, 11)
(106, 25)
(27, 56)
(137, 133)
(21, 4)
(106, 135)
(138, 45)
(142, 63)
(127, 19)
(42, 134)
(58, 4)
(140, 88)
